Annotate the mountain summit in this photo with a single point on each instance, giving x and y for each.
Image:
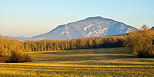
(89, 27)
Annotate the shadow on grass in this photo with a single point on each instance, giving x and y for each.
(91, 51)
(86, 57)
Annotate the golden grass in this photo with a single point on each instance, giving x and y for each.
(106, 62)
(61, 70)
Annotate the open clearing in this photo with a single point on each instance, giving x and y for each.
(105, 62)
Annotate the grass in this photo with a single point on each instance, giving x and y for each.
(106, 62)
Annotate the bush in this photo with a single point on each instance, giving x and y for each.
(141, 42)
(17, 57)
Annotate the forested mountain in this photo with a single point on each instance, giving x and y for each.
(89, 27)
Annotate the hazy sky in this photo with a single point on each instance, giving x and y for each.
(33, 17)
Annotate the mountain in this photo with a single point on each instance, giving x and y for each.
(89, 27)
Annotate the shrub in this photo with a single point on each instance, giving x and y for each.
(17, 57)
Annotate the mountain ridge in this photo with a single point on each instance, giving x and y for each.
(89, 27)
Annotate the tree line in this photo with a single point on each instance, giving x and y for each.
(81, 43)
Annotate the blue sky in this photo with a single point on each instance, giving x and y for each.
(33, 17)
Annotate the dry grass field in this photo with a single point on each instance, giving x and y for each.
(106, 62)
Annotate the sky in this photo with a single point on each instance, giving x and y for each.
(33, 17)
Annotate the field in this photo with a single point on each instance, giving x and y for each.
(106, 62)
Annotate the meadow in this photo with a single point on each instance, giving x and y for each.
(104, 62)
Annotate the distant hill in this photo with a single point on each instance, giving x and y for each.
(89, 27)
(22, 38)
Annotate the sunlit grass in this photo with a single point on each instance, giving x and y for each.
(33, 69)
